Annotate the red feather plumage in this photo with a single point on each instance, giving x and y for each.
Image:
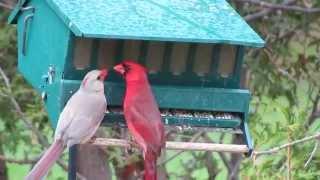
(143, 116)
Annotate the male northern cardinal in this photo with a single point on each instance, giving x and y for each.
(142, 115)
(78, 121)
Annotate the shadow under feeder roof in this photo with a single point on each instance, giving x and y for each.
(193, 48)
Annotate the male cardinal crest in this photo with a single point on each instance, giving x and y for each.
(142, 115)
(78, 121)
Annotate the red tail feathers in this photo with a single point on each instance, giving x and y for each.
(150, 166)
(47, 160)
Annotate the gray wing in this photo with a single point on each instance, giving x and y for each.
(66, 116)
(85, 124)
(81, 117)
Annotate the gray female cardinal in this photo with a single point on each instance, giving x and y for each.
(78, 121)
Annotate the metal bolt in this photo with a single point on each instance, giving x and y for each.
(51, 74)
(45, 78)
(44, 96)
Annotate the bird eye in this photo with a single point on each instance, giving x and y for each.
(98, 78)
(126, 67)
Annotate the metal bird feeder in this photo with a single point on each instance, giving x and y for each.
(193, 49)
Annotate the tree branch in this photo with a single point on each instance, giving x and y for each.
(315, 113)
(7, 6)
(312, 154)
(41, 138)
(211, 165)
(283, 7)
(18, 109)
(235, 160)
(278, 148)
(193, 139)
(19, 161)
(223, 156)
(235, 168)
(265, 12)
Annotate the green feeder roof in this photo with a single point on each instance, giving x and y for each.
(206, 21)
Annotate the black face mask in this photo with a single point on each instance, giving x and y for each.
(126, 69)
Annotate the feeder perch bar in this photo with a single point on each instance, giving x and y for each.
(171, 145)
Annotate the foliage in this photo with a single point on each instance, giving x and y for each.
(15, 138)
(285, 81)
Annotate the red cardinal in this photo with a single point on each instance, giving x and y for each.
(142, 115)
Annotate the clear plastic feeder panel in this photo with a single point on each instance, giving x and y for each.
(107, 53)
(227, 61)
(131, 50)
(82, 53)
(179, 58)
(154, 58)
(203, 59)
(176, 59)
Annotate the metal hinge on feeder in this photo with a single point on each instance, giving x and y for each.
(26, 20)
(47, 79)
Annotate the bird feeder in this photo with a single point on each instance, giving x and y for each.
(193, 50)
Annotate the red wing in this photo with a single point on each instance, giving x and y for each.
(145, 117)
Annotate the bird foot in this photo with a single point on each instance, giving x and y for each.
(92, 139)
(129, 150)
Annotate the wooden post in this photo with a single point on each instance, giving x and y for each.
(88, 162)
(92, 163)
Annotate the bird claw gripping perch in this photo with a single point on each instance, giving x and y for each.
(92, 139)
(130, 149)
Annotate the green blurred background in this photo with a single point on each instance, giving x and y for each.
(284, 78)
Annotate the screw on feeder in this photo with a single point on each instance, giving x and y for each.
(51, 74)
(44, 96)
(45, 78)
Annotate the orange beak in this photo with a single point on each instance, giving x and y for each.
(119, 69)
(103, 74)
